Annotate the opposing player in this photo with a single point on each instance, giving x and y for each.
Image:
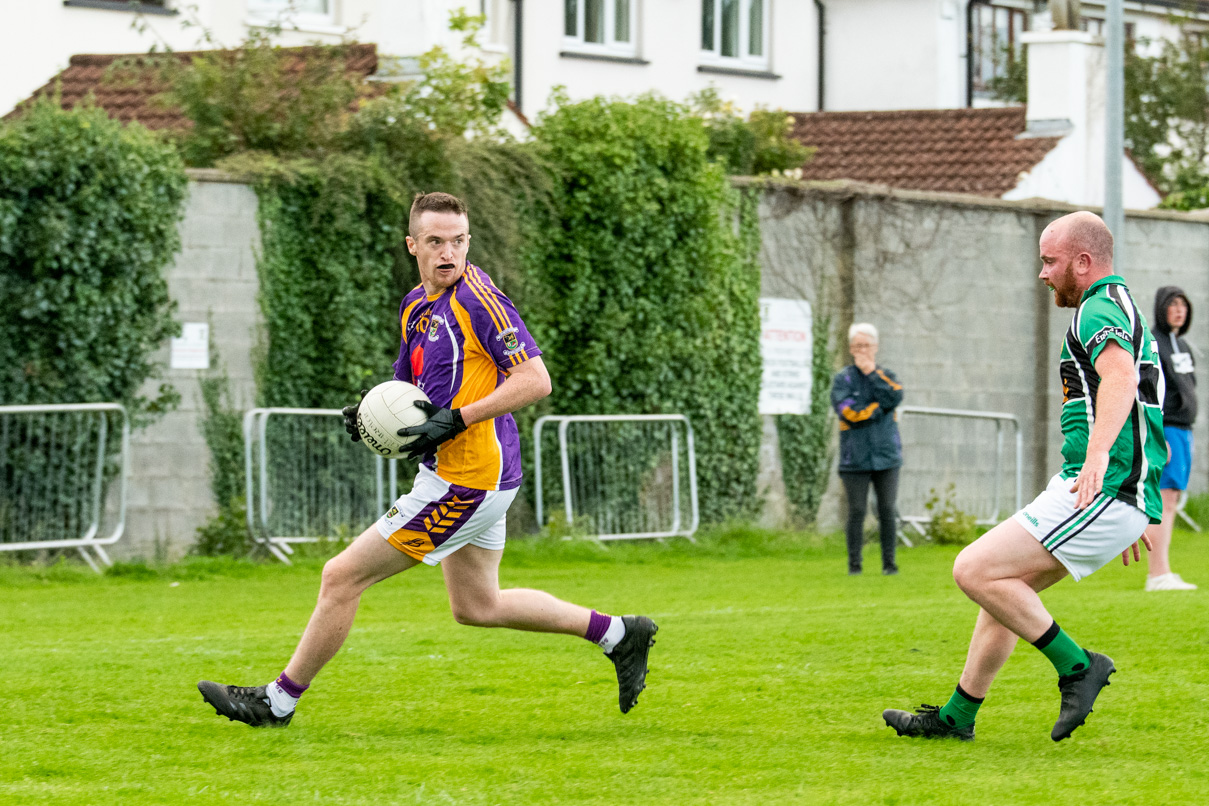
(465, 345)
(1097, 507)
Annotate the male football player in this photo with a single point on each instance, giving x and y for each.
(465, 346)
(1097, 507)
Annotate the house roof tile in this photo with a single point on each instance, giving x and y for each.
(945, 150)
(129, 93)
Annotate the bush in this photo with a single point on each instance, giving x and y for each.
(643, 297)
(950, 525)
(88, 222)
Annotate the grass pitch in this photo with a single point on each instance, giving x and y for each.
(767, 684)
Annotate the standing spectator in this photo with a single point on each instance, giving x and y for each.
(1172, 317)
(864, 396)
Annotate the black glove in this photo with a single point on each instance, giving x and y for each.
(442, 425)
(350, 417)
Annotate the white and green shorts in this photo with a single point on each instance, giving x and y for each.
(1082, 540)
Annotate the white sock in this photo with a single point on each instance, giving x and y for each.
(613, 635)
(281, 703)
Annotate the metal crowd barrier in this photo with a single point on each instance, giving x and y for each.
(307, 481)
(992, 514)
(621, 474)
(52, 478)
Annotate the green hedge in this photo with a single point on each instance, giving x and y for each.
(644, 298)
(88, 223)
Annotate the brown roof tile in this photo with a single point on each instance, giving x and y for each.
(128, 93)
(944, 150)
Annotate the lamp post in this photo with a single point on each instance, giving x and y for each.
(1114, 131)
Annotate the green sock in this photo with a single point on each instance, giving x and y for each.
(961, 709)
(1062, 651)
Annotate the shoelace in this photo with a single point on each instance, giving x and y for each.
(245, 693)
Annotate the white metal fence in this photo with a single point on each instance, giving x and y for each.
(56, 463)
(618, 476)
(307, 481)
(963, 448)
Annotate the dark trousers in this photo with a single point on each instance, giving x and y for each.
(885, 484)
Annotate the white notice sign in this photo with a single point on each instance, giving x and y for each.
(192, 349)
(786, 346)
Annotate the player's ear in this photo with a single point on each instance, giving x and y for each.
(411, 244)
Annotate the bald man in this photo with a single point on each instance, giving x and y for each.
(1096, 508)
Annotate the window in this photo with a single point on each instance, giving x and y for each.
(994, 43)
(495, 29)
(735, 32)
(600, 26)
(1099, 27)
(293, 11)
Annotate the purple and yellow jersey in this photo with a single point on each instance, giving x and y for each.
(458, 346)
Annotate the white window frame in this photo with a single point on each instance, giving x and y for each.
(745, 60)
(610, 47)
(267, 11)
(493, 34)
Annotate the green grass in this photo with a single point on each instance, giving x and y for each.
(767, 684)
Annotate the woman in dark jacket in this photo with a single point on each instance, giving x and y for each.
(1172, 317)
(864, 396)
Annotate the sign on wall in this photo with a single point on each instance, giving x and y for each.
(786, 346)
(192, 349)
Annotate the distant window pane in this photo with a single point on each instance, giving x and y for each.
(730, 27)
(621, 21)
(571, 17)
(303, 6)
(755, 34)
(707, 24)
(594, 19)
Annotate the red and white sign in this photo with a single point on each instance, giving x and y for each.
(786, 347)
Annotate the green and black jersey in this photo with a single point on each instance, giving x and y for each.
(1135, 462)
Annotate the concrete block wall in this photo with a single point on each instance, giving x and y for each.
(951, 283)
(213, 280)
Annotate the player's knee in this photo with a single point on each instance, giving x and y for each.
(965, 572)
(336, 581)
(474, 614)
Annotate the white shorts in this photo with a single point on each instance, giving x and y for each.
(437, 518)
(1082, 540)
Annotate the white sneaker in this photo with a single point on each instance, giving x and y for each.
(1168, 582)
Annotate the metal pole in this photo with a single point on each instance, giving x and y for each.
(1114, 131)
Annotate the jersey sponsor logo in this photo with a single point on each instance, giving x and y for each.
(1108, 332)
(512, 344)
(1031, 519)
(417, 364)
(392, 512)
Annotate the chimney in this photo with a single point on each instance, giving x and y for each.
(1066, 98)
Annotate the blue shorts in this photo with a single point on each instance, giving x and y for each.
(1179, 466)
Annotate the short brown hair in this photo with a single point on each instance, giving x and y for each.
(434, 203)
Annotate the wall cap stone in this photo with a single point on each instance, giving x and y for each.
(847, 189)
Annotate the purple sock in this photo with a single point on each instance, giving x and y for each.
(598, 625)
(292, 688)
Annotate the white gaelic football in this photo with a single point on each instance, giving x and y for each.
(383, 411)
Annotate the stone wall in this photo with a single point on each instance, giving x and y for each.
(950, 281)
(213, 280)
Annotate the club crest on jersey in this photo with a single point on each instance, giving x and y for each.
(434, 332)
(512, 345)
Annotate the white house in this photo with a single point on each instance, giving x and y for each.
(942, 54)
(1053, 149)
(756, 52)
